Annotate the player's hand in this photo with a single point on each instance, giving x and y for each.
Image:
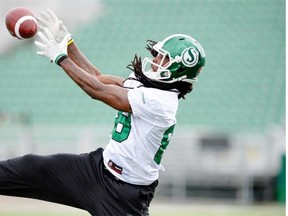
(50, 48)
(48, 19)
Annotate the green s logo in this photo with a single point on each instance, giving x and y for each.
(190, 57)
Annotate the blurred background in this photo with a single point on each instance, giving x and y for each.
(229, 142)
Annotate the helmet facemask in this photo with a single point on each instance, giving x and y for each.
(162, 73)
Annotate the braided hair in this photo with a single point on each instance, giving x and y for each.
(136, 66)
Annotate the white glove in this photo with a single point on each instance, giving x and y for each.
(48, 47)
(48, 19)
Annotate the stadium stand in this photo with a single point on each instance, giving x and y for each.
(242, 86)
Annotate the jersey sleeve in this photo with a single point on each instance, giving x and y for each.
(152, 103)
(141, 102)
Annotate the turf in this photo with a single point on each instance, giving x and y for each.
(265, 210)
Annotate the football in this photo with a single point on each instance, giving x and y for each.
(21, 23)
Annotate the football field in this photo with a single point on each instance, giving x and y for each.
(26, 207)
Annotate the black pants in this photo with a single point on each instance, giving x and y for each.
(80, 181)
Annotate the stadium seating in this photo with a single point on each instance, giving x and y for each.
(242, 86)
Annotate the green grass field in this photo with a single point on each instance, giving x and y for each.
(245, 212)
(157, 209)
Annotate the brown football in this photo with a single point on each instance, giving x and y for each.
(21, 23)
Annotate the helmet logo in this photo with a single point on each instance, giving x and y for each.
(190, 57)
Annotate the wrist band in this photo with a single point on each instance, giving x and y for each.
(60, 58)
(70, 42)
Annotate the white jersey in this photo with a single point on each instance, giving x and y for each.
(140, 138)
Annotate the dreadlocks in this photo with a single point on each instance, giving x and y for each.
(149, 47)
(136, 67)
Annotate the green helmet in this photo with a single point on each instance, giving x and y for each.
(186, 58)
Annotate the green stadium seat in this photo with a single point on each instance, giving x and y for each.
(242, 87)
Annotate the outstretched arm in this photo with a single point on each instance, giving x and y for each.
(48, 19)
(112, 95)
(81, 61)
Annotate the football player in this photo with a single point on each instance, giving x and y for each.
(121, 178)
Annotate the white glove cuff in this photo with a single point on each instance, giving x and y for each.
(59, 58)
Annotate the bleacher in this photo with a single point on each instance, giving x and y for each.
(241, 89)
(243, 78)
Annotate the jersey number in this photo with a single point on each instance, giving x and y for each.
(164, 143)
(122, 127)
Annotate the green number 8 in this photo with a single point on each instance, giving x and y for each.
(164, 144)
(122, 127)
